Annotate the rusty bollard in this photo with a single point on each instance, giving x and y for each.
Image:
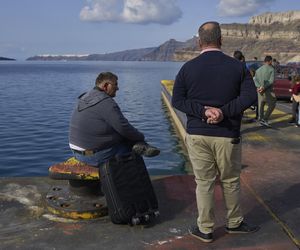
(81, 198)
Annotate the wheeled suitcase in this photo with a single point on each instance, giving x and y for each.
(128, 190)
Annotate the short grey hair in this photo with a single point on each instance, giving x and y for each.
(210, 33)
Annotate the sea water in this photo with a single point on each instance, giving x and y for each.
(37, 98)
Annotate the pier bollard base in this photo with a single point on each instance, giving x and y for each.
(60, 201)
(85, 188)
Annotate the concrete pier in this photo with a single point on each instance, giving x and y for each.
(270, 198)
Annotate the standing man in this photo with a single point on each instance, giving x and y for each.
(239, 56)
(213, 90)
(98, 129)
(264, 79)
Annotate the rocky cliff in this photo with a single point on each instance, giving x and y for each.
(280, 40)
(167, 51)
(280, 17)
(164, 52)
(275, 34)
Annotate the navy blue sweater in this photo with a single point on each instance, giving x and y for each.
(217, 80)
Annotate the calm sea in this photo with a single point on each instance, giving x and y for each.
(36, 100)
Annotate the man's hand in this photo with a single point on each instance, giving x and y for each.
(214, 115)
(261, 90)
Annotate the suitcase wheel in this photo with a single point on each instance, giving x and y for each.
(146, 217)
(135, 221)
(156, 213)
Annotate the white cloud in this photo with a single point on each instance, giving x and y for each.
(131, 11)
(151, 11)
(100, 10)
(239, 8)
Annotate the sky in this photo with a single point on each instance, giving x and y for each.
(60, 27)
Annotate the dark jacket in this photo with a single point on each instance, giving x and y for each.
(217, 80)
(98, 123)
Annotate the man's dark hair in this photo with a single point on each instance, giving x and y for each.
(238, 55)
(268, 59)
(210, 33)
(105, 76)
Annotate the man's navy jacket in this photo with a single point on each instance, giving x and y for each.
(217, 80)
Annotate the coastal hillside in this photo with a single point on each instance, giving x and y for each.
(126, 55)
(6, 59)
(275, 34)
(166, 51)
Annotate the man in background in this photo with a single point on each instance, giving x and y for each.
(213, 90)
(239, 56)
(99, 130)
(264, 79)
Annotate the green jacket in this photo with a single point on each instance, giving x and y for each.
(264, 76)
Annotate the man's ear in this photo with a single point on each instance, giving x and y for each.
(199, 43)
(105, 85)
(221, 41)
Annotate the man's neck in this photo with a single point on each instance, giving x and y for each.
(96, 87)
(210, 48)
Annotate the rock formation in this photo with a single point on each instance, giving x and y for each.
(275, 34)
(280, 17)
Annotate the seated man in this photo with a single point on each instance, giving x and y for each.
(98, 129)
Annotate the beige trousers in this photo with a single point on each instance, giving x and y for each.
(211, 156)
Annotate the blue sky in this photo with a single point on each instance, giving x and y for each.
(34, 27)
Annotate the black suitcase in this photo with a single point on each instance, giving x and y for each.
(128, 190)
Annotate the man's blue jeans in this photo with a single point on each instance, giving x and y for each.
(104, 155)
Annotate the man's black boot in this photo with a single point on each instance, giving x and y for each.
(143, 148)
